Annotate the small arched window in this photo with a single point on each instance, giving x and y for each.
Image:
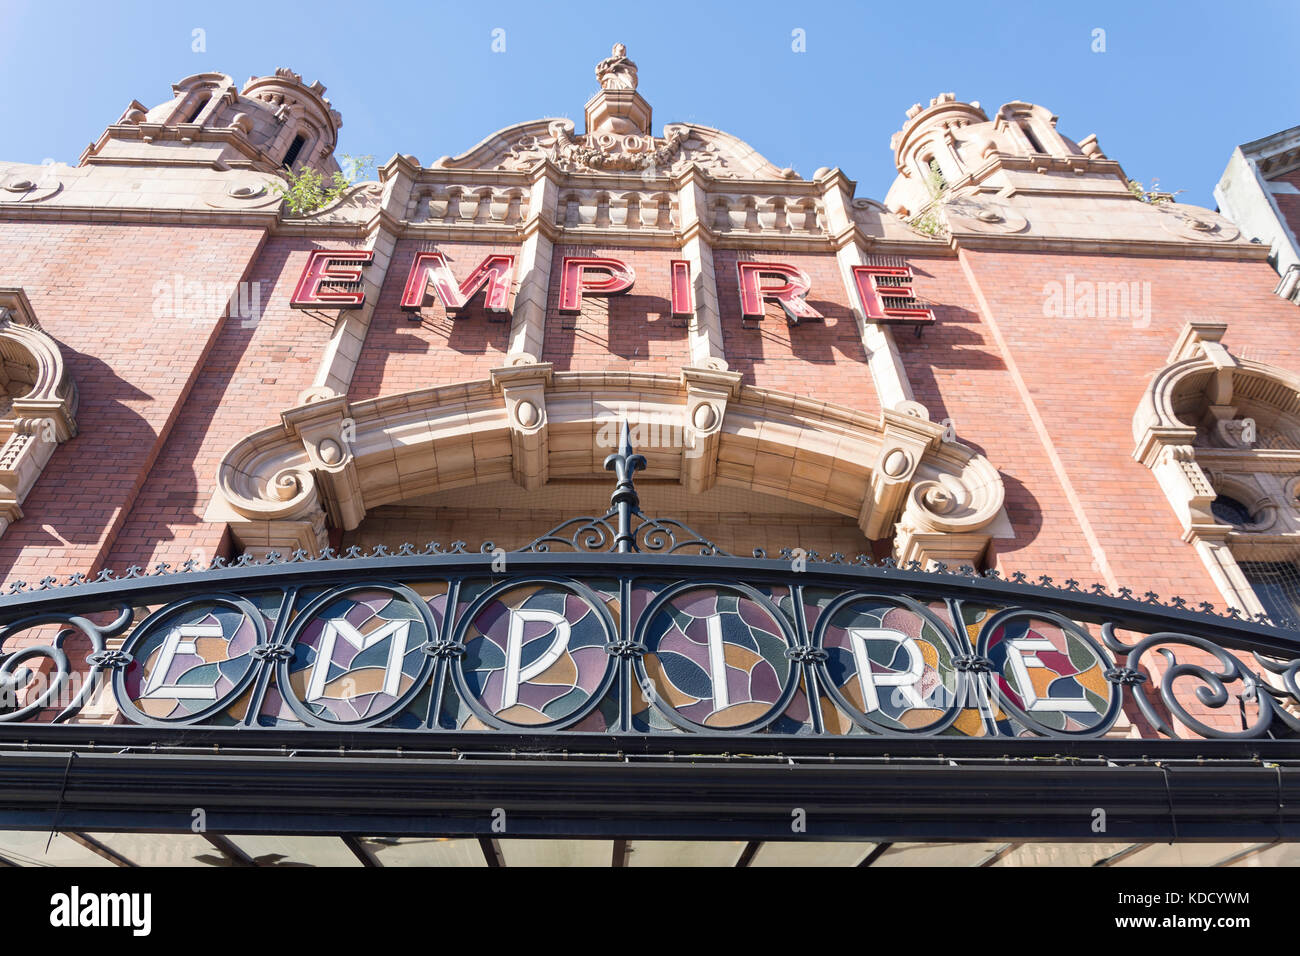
(295, 148)
(935, 179)
(1033, 140)
(1230, 511)
(198, 108)
(1222, 433)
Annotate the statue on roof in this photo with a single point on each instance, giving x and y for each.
(617, 72)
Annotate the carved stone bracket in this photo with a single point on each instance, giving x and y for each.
(707, 394)
(328, 434)
(524, 389)
(949, 509)
(906, 440)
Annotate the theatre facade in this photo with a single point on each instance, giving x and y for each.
(614, 495)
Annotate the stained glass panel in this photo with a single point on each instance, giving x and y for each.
(535, 655)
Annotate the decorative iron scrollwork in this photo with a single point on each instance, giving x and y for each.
(624, 528)
(436, 639)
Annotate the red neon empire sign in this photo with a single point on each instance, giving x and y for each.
(599, 276)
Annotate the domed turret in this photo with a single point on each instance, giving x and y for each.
(950, 145)
(274, 122)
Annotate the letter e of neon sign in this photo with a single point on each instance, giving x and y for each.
(872, 295)
(327, 268)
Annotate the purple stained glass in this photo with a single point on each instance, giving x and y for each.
(716, 657)
(535, 654)
(190, 661)
(358, 655)
(1050, 672)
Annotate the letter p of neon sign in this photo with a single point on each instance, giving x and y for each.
(325, 271)
(591, 275)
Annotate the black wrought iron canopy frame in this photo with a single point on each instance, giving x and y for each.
(1227, 785)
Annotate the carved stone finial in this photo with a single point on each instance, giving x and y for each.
(617, 72)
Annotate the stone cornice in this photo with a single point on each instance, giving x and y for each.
(1118, 247)
(259, 218)
(643, 238)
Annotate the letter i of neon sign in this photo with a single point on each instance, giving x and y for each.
(683, 292)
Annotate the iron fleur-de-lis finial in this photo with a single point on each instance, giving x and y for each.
(624, 463)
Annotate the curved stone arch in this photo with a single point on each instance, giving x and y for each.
(1197, 429)
(38, 402)
(528, 423)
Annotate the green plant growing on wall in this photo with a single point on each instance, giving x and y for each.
(930, 220)
(1153, 195)
(306, 190)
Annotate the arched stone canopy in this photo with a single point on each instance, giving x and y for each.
(38, 411)
(1213, 423)
(893, 472)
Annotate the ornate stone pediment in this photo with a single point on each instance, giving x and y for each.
(683, 144)
(618, 139)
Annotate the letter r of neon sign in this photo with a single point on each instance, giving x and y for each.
(791, 294)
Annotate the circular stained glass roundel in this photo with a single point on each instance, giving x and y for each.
(890, 664)
(715, 659)
(535, 655)
(1051, 671)
(358, 655)
(188, 661)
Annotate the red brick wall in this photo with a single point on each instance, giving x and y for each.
(1085, 377)
(1288, 204)
(822, 360)
(958, 372)
(253, 372)
(632, 330)
(402, 354)
(92, 287)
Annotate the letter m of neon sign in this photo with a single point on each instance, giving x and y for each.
(431, 269)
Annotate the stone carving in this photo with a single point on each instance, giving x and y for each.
(522, 147)
(38, 411)
(984, 217)
(1192, 222)
(617, 72)
(28, 183)
(603, 152)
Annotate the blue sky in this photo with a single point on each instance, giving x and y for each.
(1178, 86)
